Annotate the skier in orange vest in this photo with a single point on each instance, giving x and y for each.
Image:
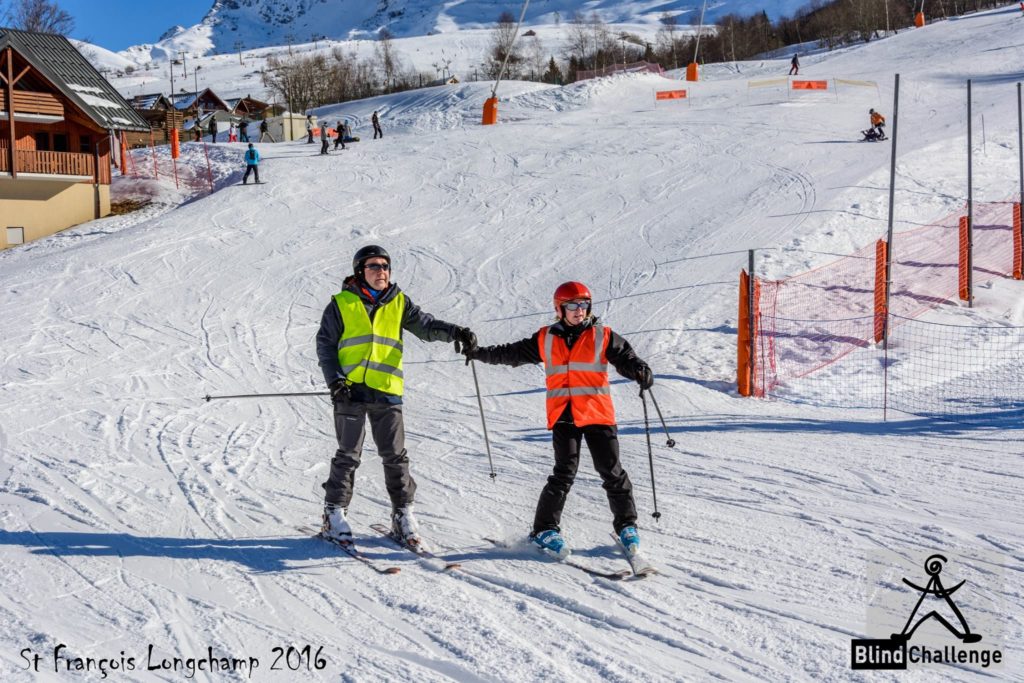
(877, 123)
(576, 351)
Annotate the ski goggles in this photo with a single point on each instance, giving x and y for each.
(378, 266)
(576, 305)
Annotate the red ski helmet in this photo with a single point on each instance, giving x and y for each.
(570, 291)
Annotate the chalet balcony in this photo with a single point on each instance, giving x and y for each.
(36, 107)
(53, 165)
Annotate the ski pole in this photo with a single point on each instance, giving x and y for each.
(483, 421)
(209, 398)
(650, 456)
(670, 442)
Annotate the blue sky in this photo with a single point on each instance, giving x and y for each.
(117, 24)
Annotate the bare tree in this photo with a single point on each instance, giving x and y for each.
(41, 15)
(503, 46)
(387, 57)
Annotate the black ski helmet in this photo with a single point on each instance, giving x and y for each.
(368, 252)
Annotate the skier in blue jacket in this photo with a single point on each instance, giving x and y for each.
(252, 164)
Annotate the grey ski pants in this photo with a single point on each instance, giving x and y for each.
(388, 430)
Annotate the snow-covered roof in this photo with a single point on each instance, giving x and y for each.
(59, 62)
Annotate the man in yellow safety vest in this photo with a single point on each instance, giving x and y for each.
(359, 347)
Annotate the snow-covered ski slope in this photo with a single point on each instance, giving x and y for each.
(134, 514)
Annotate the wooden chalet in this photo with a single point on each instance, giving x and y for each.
(162, 116)
(247, 107)
(204, 101)
(57, 117)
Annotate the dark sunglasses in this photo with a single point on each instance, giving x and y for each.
(378, 266)
(573, 306)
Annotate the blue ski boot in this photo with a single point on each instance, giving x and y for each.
(630, 539)
(552, 543)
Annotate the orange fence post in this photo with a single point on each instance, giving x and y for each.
(175, 144)
(490, 111)
(744, 377)
(1018, 244)
(692, 72)
(124, 153)
(964, 289)
(919, 19)
(881, 315)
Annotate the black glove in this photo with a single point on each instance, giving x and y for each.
(465, 340)
(471, 354)
(644, 377)
(339, 391)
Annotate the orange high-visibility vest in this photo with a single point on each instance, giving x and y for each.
(877, 118)
(578, 376)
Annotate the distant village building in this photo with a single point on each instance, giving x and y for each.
(162, 116)
(58, 116)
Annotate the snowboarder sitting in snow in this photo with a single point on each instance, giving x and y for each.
(252, 164)
(575, 352)
(359, 346)
(875, 132)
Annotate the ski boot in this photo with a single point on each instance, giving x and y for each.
(335, 526)
(629, 537)
(552, 543)
(405, 528)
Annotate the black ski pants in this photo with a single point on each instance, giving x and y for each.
(251, 168)
(603, 443)
(388, 429)
(377, 131)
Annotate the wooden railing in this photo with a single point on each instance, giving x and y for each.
(34, 103)
(50, 163)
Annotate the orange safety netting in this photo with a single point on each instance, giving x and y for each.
(809, 321)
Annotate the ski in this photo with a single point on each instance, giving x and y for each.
(573, 562)
(641, 565)
(418, 550)
(351, 550)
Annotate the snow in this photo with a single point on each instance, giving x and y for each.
(136, 514)
(263, 23)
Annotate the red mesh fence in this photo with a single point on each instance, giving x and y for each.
(799, 330)
(191, 170)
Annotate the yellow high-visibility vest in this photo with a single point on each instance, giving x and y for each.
(370, 352)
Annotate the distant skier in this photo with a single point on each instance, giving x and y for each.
(232, 132)
(325, 138)
(359, 346)
(877, 123)
(576, 351)
(265, 131)
(252, 164)
(794, 65)
(377, 130)
(213, 128)
(243, 130)
(309, 129)
(340, 140)
(197, 130)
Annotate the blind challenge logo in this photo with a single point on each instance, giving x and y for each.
(897, 652)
